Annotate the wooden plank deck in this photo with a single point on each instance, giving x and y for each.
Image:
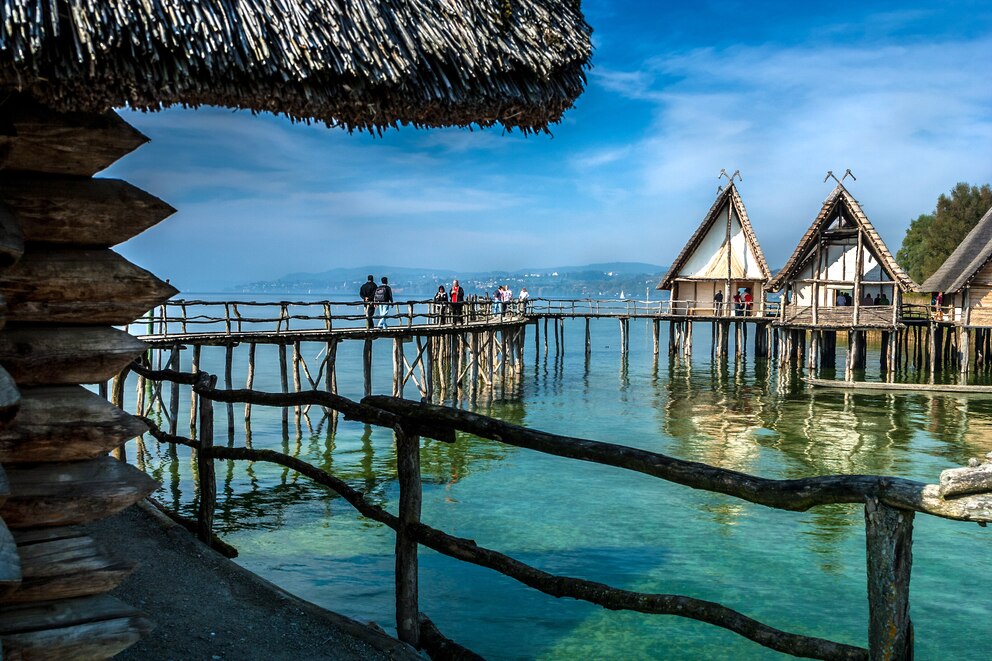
(223, 338)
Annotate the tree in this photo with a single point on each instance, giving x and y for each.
(932, 237)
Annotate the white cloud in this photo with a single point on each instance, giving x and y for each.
(909, 120)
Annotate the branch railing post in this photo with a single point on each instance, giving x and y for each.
(889, 542)
(205, 464)
(411, 495)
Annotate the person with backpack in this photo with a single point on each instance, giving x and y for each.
(366, 293)
(382, 297)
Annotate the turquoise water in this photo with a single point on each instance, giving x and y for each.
(802, 572)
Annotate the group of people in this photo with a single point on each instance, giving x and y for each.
(376, 297)
(503, 296)
(743, 303)
(846, 298)
(449, 303)
(454, 300)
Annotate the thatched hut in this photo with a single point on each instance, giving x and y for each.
(841, 274)
(63, 65)
(965, 279)
(722, 256)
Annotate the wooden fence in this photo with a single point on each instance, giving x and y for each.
(890, 505)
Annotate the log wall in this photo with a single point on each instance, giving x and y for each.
(64, 289)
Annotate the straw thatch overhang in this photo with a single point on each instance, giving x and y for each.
(971, 255)
(727, 195)
(840, 200)
(359, 64)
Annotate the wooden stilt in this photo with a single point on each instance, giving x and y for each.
(889, 541)
(407, 571)
(367, 366)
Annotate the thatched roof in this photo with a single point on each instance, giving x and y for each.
(968, 258)
(361, 64)
(727, 195)
(841, 200)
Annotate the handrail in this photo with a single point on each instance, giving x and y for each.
(411, 419)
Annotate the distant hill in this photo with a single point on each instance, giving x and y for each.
(606, 280)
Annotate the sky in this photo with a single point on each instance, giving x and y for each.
(784, 92)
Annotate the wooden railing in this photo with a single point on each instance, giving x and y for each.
(890, 505)
(183, 317)
(191, 317)
(590, 307)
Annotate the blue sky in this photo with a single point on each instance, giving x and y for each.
(781, 91)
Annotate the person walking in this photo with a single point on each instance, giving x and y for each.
(366, 293)
(507, 297)
(456, 297)
(441, 304)
(718, 302)
(524, 299)
(382, 298)
(748, 302)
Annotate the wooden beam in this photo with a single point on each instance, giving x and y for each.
(63, 563)
(40, 355)
(65, 423)
(11, 238)
(91, 286)
(83, 212)
(59, 494)
(10, 397)
(38, 139)
(10, 563)
(95, 627)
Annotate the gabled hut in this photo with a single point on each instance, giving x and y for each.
(722, 256)
(965, 279)
(361, 65)
(841, 274)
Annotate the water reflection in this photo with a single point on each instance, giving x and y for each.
(257, 496)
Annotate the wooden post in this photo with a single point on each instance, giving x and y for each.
(407, 590)
(429, 365)
(859, 267)
(367, 366)
(297, 383)
(205, 469)
(589, 339)
(284, 382)
(250, 382)
(655, 335)
(398, 367)
(228, 369)
(503, 356)
(475, 362)
(173, 394)
(964, 353)
(889, 542)
(193, 406)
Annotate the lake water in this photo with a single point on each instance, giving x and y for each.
(802, 572)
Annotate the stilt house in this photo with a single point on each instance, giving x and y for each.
(965, 279)
(63, 67)
(841, 275)
(722, 256)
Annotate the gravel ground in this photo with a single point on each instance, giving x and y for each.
(206, 607)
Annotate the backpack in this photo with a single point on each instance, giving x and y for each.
(380, 294)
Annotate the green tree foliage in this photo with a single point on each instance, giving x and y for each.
(932, 237)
